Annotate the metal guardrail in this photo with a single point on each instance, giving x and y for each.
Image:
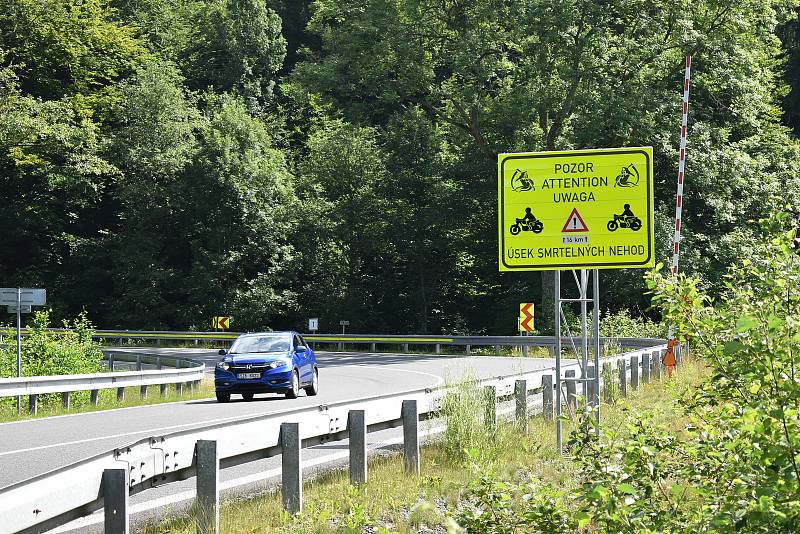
(52, 499)
(184, 371)
(367, 339)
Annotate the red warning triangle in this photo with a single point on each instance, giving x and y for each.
(575, 223)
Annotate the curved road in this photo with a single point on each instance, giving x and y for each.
(36, 446)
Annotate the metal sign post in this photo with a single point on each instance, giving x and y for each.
(590, 384)
(19, 343)
(343, 324)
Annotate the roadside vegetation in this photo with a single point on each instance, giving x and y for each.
(713, 449)
(47, 353)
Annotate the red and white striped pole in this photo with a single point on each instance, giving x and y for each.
(669, 359)
(681, 166)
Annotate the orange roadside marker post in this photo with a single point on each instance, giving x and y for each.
(669, 360)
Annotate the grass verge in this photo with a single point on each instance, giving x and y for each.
(50, 405)
(393, 501)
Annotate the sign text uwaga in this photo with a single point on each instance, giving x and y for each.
(576, 209)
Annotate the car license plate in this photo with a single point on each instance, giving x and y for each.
(249, 375)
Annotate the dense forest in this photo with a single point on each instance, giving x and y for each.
(165, 161)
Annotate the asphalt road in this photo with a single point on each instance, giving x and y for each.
(28, 448)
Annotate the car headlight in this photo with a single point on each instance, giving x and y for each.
(223, 365)
(275, 364)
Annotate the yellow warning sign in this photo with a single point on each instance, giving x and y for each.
(579, 209)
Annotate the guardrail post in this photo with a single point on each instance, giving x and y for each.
(469, 350)
(111, 362)
(93, 397)
(357, 430)
(438, 349)
(341, 346)
(115, 500)
(497, 350)
(405, 347)
(591, 388)
(162, 389)
(143, 392)
(374, 347)
(291, 475)
(547, 396)
(490, 415)
(138, 362)
(521, 398)
(65, 400)
(190, 385)
(634, 373)
(623, 377)
(524, 351)
(678, 354)
(656, 365)
(645, 367)
(120, 394)
(207, 487)
(410, 417)
(572, 391)
(33, 404)
(179, 388)
(606, 388)
(158, 363)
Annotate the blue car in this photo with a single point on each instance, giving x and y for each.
(267, 362)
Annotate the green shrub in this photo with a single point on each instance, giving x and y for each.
(53, 353)
(734, 468)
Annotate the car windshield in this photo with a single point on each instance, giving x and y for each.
(261, 344)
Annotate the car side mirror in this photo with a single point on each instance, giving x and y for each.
(222, 352)
(300, 349)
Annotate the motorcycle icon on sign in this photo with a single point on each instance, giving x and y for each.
(528, 223)
(625, 220)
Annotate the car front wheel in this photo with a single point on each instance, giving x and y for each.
(223, 397)
(292, 392)
(313, 389)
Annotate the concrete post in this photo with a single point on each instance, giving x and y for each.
(33, 404)
(572, 391)
(524, 351)
(521, 398)
(469, 350)
(497, 349)
(645, 367)
(606, 388)
(120, 394)
(623, 377)
(591, 387)
(374, 347)
(357, 430)
(93, 397)
(341, 346)
(115, 501)
(207, 464)
(656, 365)
(438, 349)
(405, 347)
(547, 397)
(291, 475)
(410, 417)
(634, 373)
(490, 414)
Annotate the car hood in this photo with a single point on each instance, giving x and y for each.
(257, 357)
